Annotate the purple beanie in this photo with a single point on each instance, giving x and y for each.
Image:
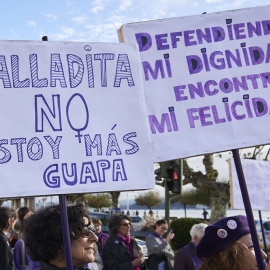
(221, 234)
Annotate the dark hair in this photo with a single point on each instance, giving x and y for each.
(114, 222)
(21, 214)
(5, 214)
(160, 222)
(43, 230)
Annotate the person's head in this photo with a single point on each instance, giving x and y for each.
(44, 239)
(197, 232)
(119, 223)
(98, 224)
(7, 219)
(161, 227)
(227, 245)
(23, 213)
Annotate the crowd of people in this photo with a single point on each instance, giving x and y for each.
(223, 245)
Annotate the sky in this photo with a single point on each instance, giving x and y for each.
(98, 21)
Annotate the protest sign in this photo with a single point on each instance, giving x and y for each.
(257, 175)
(207, 80)
(73, 119)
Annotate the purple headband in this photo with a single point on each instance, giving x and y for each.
(221, 234)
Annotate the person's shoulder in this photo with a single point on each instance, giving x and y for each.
(18, 245)
(112, 239)
(150, 238)
(105, 235)
(182, 249)
(182, 252)
(2, 235)
(3, 239)
(113, 242)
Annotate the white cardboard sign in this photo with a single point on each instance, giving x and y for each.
(207, 80)
(257, 176)
(73, 119)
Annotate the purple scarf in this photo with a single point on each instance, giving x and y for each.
(156, 235)
(127, 242)
(100, 235)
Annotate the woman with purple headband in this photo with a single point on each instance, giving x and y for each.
(159, 250)
(227, 245)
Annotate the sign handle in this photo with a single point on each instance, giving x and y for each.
(64, 221)
(65, 231)
(263, 236)
(248, 209)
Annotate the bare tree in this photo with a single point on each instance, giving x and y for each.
(219, 192)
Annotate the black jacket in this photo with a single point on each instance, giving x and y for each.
(116, 255)
(6, 258)
(48, 266)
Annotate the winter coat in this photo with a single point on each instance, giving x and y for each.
(6, 259)
(156, 246)
(116, 255)
(158, 251)
(102, 242)
(187, 259)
